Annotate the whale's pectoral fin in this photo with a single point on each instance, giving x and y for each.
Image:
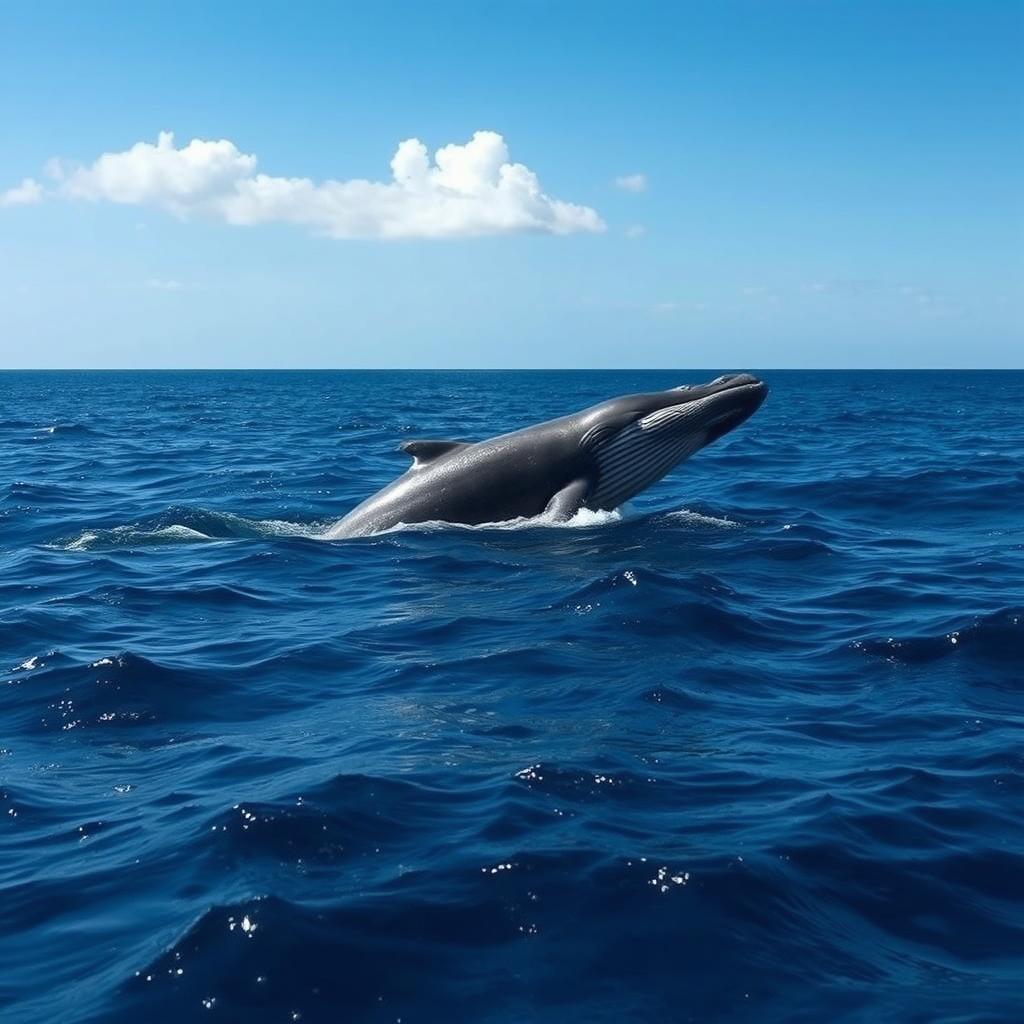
(425, 451)
(564, 504)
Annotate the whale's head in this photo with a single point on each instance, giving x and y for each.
(633, 441)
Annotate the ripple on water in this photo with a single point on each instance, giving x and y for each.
(748, 751)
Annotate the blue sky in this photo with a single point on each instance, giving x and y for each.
(821, 184)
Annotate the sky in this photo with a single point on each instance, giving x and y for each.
(519, 184)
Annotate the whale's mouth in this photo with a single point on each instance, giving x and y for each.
(682, 422)
(731, 381)
(733, 399)
(727, 382)
(745, 383)
(715, 407)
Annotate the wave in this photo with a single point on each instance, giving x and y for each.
(997, 637)
(988, 484)
(69, 430)
(551, 914)
(649, 587)
(585, 518)
(183, 525)
(751, 748)
(348, 817)
(54, 692)
(196, 526)
(690, 518)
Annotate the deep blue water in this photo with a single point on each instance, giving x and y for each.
(752, 751)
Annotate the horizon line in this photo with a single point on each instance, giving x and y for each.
(503, 369)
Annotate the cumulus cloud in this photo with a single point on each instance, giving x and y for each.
(632, 182)
(465, 190)
(25, 194)
(177, 179)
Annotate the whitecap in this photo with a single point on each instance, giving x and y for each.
(690, 518)
(224, 526)
(177, 532)
(585, 518)
(80, 543)
(274, 527)
(126, 536)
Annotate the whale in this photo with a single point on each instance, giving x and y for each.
(596, 459)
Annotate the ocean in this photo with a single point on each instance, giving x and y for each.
(751, 749)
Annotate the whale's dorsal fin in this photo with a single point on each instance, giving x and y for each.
(426, 451)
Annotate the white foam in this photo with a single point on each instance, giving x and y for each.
(585, 518)
(272, 527)
(696, 519)
(282, 528)
(82, 542)
(125, 536)
(174, 532)
(240, 528)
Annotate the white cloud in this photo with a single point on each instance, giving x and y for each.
(177, 179)
(632, 182)
(636, 231)
(25, 194)
(470, 189)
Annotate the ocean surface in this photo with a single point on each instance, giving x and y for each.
(751, 749)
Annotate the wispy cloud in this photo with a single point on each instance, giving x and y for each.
(636, 231)
(25, 194)
(465, 190)
(929, 303)
(843, 286)
(925, 301)
(679, 307)
(632, 182)
(760, 293)
(164, 284)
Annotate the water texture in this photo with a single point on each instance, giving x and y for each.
(749, 750)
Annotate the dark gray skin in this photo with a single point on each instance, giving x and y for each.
(597, 458)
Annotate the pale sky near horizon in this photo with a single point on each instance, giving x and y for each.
(724, 184)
